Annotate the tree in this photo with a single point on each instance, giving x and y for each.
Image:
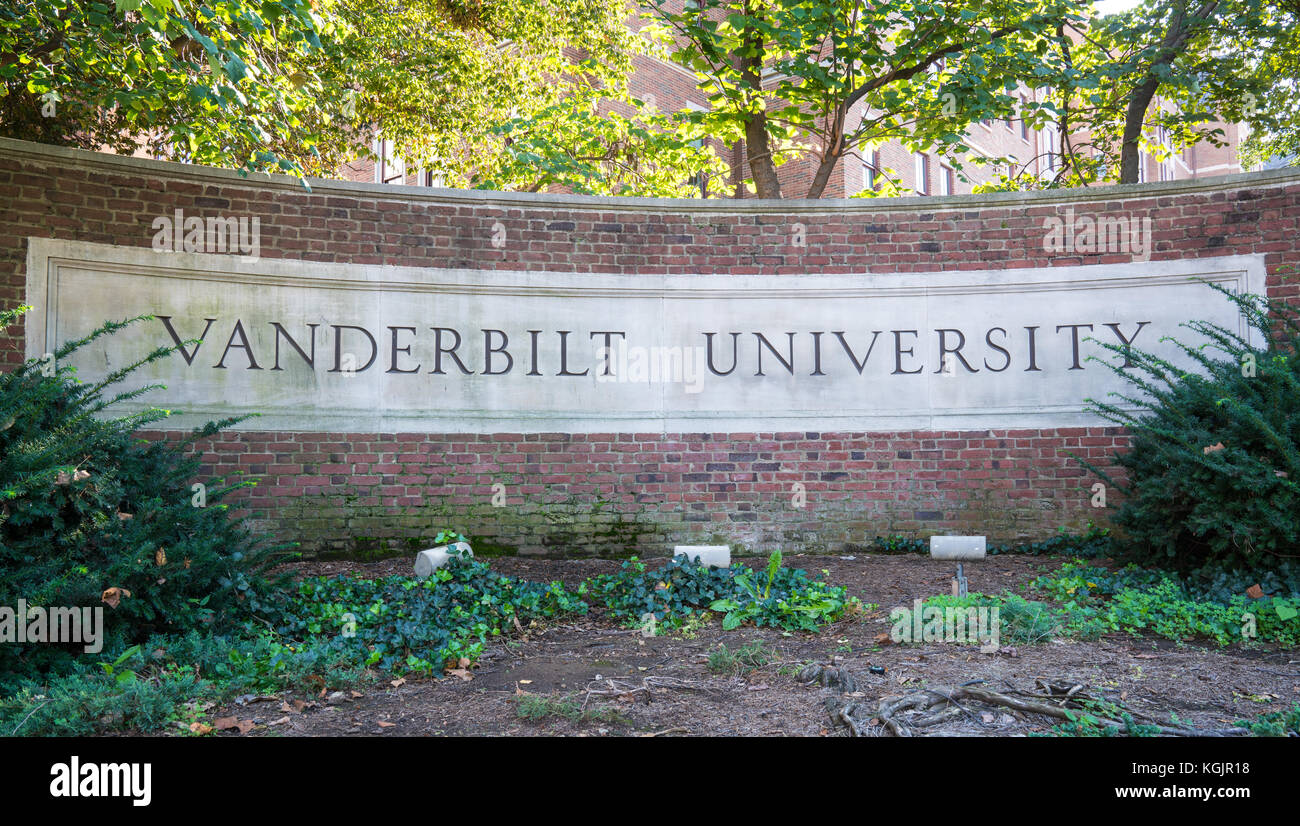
(212, 83)
(573, 144)
(1274, 116)
(507, 95)
(1200, 62)
(828, 77)
(512, 94)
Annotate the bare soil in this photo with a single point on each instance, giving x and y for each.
(663, 685)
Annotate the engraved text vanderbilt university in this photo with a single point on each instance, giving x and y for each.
(411, 349)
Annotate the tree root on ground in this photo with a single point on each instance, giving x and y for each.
(1058, 700)
(829, 676)
(627, 689)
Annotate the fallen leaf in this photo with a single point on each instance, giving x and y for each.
(81, 474)
(113, 596)
(160, 557)
(398, 683)
(759, 687)
(63, 478)
(356, 693)
(279, 722)
(882, 639)
(223, 723)
(125, 516)
(464, 662)
(463, 673)
(200, 728)
(986, 717)
(1212, 448)
(386, 724)
(525, 682)
(1255, 592)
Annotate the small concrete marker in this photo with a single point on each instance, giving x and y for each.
(714, 556)
(431, 559)
(958, 547)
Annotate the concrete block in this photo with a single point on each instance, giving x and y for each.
(958, 547)
(715, 556)
(431, 559)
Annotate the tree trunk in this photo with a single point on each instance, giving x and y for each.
(1175, 40)
(758, 147)
(834, 150)
(761, 166)
(1130, 158)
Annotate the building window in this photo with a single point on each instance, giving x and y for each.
(871, 172)
(1167, 168)
(389, 169)
(699, 181)
(1051, 138)
(947, 180)
(1024, 121)
(922, 174)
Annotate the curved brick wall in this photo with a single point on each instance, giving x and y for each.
(637, 492)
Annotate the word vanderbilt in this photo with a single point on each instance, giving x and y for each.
(236, 344)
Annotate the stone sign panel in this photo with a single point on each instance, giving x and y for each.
(356, 348)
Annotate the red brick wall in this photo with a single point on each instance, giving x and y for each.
(625, 492)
